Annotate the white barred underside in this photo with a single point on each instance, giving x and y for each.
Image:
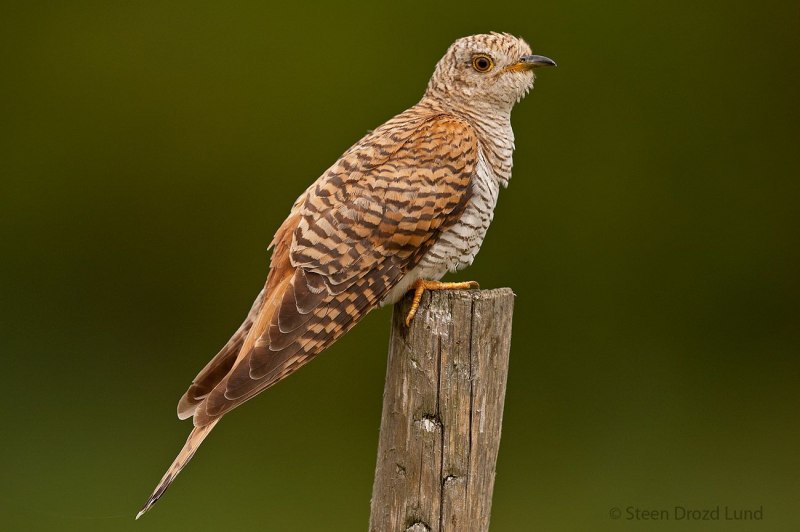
(457, 247)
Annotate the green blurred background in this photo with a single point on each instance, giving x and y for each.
(150, 150)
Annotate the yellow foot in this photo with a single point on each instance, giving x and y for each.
(421, 285)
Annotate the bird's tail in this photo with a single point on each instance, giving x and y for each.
(194, 440)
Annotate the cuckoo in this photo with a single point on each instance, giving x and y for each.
(407, 203)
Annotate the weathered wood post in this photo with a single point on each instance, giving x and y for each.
(442, 413)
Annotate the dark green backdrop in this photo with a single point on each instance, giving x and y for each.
(149, 151)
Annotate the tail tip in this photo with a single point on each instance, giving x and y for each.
(150, 502)
(162, 487)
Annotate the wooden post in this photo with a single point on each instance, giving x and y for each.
(442, 413)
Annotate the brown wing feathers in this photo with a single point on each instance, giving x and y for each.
(364, 225)
(350, 238)
(219, 366)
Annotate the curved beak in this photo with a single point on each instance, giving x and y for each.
(534, 61)
(529, 62)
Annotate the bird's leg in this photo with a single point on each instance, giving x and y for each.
(420, 285)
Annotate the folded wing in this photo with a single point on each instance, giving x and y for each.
(350, 238)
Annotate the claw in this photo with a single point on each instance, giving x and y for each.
(420, 285)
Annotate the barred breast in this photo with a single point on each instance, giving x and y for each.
(457, 246)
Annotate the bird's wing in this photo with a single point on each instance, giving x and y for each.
(220, 365)
(350, 238)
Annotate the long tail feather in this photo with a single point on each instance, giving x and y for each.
(194, 440)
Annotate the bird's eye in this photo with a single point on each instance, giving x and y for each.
(482, 63)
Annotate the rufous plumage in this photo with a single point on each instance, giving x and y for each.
(407, 203)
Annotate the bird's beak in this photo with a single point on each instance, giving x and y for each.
(529, 62)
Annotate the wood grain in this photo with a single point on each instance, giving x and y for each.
(443, 412)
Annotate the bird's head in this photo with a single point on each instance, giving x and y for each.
(493, 70)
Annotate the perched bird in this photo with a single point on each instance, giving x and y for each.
(407, 203)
